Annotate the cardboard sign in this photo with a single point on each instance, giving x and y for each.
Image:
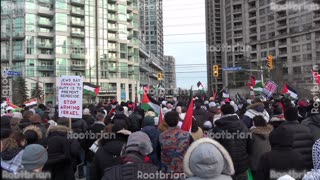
(70, 90)
(269, 89)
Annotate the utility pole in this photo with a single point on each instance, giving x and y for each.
(11, 53)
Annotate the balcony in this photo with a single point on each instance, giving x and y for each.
(46, 56)
(46, 34)
(77, 12)
(130, 26)
(112, 28)
(113, 18)
(46, 24)
(113, 49)
(130, 54)
(144, 68)
(129, 1)
(77, 34)
(77, 2)
(47, 12)
(237, 11)
(131, 71)
(112, 1)
(45, 1)
(112, 69)
(45, 46)
(49, 90)
(75, 67)
(113, 38)
(77, 23)
(45, 68)
(77, 56)
(129, 9)
(130, 17)
(112, 9)
(251, 8)
(237, 27)
(16, 36)
(130, 35)
(237, 19)
(112, 59)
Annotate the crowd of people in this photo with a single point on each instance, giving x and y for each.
(230, 139)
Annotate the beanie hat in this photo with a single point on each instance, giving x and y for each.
(139, 142)
(212, 104)
(34, 157)
(302, 103)
(17, 115)
(86, 111)
(207, 125)
(148, 121)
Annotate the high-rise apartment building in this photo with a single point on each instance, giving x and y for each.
(252, 30)
(150, 56)
(95, 39)
(170, 81)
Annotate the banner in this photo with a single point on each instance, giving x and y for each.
(70, 96)
(269, 89)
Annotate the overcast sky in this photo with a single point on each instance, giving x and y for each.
(186, 17)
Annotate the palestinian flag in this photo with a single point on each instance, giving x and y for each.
(253, 81)
(187, 122)
(90, 89)
(202, 87)
(149, 103)
(31, 102)
(288, 90)
(258, 87)
(316, 76)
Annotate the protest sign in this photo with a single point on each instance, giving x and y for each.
(269, 89)
(70, 96)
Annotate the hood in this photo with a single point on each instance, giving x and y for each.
(266, 130)
(281, 137)
(206, 158)
(36, 129)
(316, 155)
(58, 130)
(257, 107)
(10, 153)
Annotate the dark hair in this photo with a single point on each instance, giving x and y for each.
(291, 114)
(19, 137)
(194, 127)
(227, 109)
(172, 118)
(259, 121)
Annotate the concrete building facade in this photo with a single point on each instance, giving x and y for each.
(170, 81)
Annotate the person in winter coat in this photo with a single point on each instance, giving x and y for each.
(135, 120)
(260, 141)
(282, 159)
(174, 143)
(256, 109)
(93, 132)
(63, 153)
(277, 117)
(207, 159)
(26, 119)
(12, 152)
(237, 145)
(34, 158)
(153, 133)
(314, 174)
(37, 121)
(200, 114)
(78, 125)
(302, 137)
(109, 151)
(87, 117)
(134, 163)
(313, 123)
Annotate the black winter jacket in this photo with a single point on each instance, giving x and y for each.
(302, 141)
(88, 119)
(237, 146)
(313, 123)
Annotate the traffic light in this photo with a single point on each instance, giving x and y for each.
(270, 62)
(160, 76)
(215, 71)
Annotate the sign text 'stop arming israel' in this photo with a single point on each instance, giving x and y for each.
(269, 89)
(70, 96)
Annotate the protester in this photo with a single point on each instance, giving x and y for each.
(94, 131)
(313, 123)
(26, 119)
(87, 117)
(133, 160)
(260, 141)
(109, 151)
(302, 137)
(277, 117)
(207, 159)
(314, 174)
(200, 114)
(135, 120)
(34, 157)
(256, 109)
(237, 145)
(282, 158)
(33, 135)
(174, 143)
(153, 133)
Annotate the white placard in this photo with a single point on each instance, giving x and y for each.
(70, 90)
